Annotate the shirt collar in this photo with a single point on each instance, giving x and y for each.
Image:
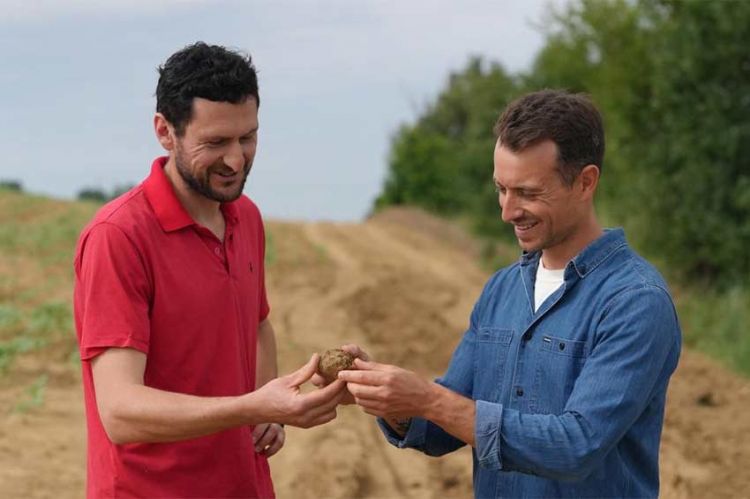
(591, 256)
(231, 213)
(167, 207)
(160, 194)
(599, 250)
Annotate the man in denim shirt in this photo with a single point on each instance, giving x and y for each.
(560, 381)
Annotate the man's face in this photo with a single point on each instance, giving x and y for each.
(543, 210)
(216, 152)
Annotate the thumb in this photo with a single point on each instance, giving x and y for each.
(305, 372)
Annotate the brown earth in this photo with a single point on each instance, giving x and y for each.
(401, 285)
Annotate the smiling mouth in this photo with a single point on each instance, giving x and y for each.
(524, 227)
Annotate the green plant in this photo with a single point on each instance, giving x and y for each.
(34, 395)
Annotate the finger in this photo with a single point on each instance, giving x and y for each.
(368, 402)
(347, 398)
(259, 431)
(323, 418)
(363, 377)
(317, 407)
(371, 409)
(318, 380)
(323, 396)
(356, 351)
(370, 366)
(276, 445)
(268, 438)
(305, 372)
(369, 392)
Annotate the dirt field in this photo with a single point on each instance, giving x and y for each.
(402, 286)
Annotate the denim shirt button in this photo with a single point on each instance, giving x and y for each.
(562, 346)
(519, 392)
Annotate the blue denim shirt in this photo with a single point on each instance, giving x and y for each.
(570, 399)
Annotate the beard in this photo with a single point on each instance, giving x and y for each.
(201, 183)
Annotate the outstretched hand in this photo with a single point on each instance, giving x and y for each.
(283, 402)
(387, 391)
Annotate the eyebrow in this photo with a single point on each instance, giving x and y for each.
(527, 188)
(212, 138)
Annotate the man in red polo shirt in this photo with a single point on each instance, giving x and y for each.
(178, 354)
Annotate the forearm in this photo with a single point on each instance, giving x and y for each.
(143, 414)
(266, 364)
(452, 412)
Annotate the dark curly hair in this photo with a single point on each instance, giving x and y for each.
(569, 120)
(207, 71)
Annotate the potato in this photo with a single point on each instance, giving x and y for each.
(332, 361)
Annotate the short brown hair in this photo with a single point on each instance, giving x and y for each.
(569, 120)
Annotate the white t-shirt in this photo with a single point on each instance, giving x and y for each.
(547, 282)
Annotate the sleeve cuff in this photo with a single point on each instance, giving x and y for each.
(414, 438)
(90, 349)
(487, 427)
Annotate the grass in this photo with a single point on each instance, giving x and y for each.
(34, 395)
(37, 242)
(717, 323)
(270, 254)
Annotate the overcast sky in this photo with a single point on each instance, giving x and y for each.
(336, 79)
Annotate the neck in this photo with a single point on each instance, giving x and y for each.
(200, 208)
(558, 256)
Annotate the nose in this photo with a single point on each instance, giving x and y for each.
(509, 208)
(235, 157)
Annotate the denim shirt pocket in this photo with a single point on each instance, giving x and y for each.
(559, 362)
(490, 357)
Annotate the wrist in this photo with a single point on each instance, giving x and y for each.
(429, 407)
(251, 410)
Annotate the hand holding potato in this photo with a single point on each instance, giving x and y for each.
(335, 360)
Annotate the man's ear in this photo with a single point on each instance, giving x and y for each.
(588, 179)
(165, 133)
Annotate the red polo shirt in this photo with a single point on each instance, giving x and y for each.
(148, 277)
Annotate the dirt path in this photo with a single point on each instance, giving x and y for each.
(402, 286)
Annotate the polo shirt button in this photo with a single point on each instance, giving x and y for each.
(217, 250)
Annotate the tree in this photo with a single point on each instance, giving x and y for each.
(11, 185)
(92, 194)
(443, 162)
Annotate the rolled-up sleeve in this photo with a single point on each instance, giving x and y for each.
(487, 430)
(424, 435)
